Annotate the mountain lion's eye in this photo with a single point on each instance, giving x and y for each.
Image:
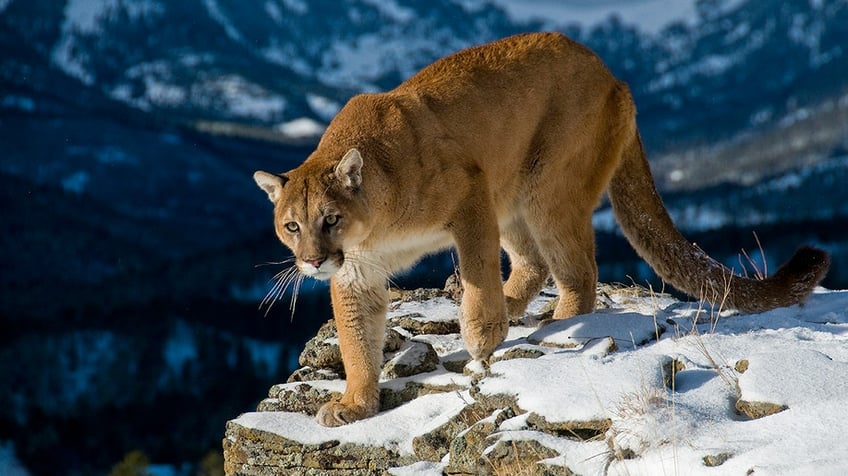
(331, 220)
(292, 227)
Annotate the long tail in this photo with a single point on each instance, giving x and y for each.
(647, 226)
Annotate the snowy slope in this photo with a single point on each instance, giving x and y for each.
(650, 16)
(262, 61)
(794, 357)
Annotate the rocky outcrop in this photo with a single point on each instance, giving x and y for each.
(253, 452)
(433, 414)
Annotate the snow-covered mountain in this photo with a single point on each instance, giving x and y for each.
(648, 15)
(702, 70)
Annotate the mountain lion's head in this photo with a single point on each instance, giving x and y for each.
(319, 211)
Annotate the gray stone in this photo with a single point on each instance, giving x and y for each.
(392, 397)
(418, 324)
(755, 410)
(717, 460)
(323, 351)
(467, 448)
(580, 430)
(670, 367)
(251, 452)
(456, 361)
(414, 358)
(306, 374)
(519, 352)
(394, 340)
(299, 398)
(507, 456)
(416, 295)
(435, 445)
(453, 287)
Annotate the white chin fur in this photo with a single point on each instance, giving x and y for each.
(323, 272)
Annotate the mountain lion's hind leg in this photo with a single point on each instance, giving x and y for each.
(528, 270)
(567, 241)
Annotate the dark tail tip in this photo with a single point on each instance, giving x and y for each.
(808, 265)
(791, 284)
(802, 273)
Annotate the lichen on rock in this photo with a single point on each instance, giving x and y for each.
(424, 358)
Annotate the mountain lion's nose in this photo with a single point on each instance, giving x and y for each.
(316, 262)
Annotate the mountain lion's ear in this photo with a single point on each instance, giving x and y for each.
(349, 170)
(271, 183)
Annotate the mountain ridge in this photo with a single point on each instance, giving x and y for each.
(261, 62)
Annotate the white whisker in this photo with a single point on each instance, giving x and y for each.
(276, 263)
(295, 293)
(291, 279)
(282, 281)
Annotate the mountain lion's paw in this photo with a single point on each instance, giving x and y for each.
(481, 341)
(338, 414)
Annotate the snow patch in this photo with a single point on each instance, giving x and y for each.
(84, 17)
(163, 94)
(649, 15)
(9, 463)
(394, 429)
(470, 6)
(23, 103)
(287, 55)
(325, 108)
(180, 348)
(391, 10)
(215, 12)
(629, 330)
(265, 356)
(358, 63)
(774, 377)
(239, 97)
(273, 11)
(80, 359)
(110, 155)
(439, 309)
(77, 182)
(302, 128)
(604, 220)
(71, 61)
(297, 6)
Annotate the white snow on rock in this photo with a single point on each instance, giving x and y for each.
(774, 377)
(394, 429)
(797, 357)
(628, 329)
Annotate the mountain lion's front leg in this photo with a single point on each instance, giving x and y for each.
(359, 308)
(483, 320)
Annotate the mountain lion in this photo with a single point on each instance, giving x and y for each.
(509, 144)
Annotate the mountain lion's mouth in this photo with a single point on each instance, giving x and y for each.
(321, 271)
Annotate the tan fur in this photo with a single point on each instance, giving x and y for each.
(511, 145)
